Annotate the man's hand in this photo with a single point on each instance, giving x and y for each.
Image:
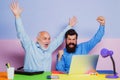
(101, 20)
(60, 53)
(72, 21)
(16, 9)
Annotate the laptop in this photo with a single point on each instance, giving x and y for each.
(81, 64)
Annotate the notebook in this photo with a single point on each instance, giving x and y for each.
(81, 64)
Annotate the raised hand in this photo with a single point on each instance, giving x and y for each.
(16, 9)
(60, 53)
(72, 21)
(101, 20)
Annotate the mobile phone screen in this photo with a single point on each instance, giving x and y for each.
(52, 77)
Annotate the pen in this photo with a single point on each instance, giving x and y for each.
(7, 65)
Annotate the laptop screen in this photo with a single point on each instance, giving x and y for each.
(81, 64)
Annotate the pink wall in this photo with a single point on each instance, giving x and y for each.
(12, 52)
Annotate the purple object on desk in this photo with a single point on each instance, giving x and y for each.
(105, 53)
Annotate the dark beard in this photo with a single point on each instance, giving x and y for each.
(71, 50)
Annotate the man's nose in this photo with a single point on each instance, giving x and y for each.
(71, 41)
(48, 41)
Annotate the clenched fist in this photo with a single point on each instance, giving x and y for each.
(101, 20)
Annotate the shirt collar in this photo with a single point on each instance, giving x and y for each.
(39, 46)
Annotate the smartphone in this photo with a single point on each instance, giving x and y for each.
(52, 77)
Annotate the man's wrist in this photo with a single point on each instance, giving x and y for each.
(102, 24)
(70, 25)
(59, 59)
(17, 16)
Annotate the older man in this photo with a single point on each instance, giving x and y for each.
(37, 54)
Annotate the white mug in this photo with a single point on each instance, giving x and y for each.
(10, 73)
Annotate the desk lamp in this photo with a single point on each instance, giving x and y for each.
(105, 53)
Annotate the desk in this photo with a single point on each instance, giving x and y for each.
(82, 77)
(3, 76)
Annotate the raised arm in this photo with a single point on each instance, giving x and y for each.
(21, 34)
(60, 53)
(60, 64)
(60, 38)
(97, 37)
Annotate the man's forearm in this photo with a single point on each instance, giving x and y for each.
(58, 41)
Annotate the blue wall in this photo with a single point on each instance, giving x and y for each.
(53, 16)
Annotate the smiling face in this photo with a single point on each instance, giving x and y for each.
(43, 39)
(71, 42)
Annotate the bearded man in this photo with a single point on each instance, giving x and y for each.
(72, 48)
